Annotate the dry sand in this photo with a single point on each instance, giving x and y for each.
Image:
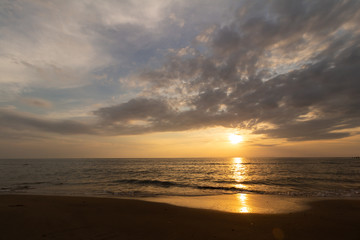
(55, 217)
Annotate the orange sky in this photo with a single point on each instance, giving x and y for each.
(199, 143)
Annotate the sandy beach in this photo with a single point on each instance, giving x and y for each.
(57, 217)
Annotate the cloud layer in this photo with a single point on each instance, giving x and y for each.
(283, 69)
(286, 69)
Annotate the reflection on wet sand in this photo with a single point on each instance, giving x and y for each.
(238, 203)
(243, 205)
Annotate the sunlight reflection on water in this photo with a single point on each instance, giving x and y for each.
(239, 172)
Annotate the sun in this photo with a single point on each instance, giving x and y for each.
(235, 139)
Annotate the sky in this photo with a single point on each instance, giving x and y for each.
(176, 78)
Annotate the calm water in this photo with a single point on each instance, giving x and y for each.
(305, 177)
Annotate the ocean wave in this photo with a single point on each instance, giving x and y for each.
(168, 184)
(218, 189)
(148, 182)
(33, 183)
(187, 177)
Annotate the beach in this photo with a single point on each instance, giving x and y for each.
(62, 217)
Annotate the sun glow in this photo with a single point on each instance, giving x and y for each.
(235, 139)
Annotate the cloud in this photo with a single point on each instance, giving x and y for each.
(135, 109)
(37, 102)
(283, 69)
(67, 44)
(289, 69)
(144, 115)
(16, 121)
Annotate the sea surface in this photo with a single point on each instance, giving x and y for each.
(159, 177)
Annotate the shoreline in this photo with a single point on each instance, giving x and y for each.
(229, 203)
(70, 217)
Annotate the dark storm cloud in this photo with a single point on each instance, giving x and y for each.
(287, 69)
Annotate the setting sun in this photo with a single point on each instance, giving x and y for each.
(234, 138)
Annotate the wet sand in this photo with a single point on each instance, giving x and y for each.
(55, 217)
(239, 203)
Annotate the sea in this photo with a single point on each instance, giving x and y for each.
(183, 177)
